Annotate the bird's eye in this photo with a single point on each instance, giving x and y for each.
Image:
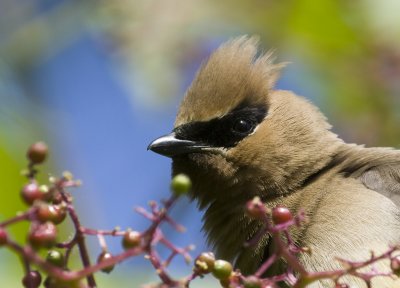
(242, 126)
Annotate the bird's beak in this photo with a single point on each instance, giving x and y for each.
(170, 146)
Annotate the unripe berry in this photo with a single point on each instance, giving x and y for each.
(222, 269)
(281, 215)
(51, 282)
(43, 235)
(53, 213)
(31, 192)
(204, 263)
(131, 239)
(37, 152)
(102, 257)
(32, 279)
(252, 282)
(55, 257)
(3, 237)
(225, 283)
(180, 184)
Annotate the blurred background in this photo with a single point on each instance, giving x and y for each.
(98, 80)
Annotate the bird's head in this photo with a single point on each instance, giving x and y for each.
(234, 130)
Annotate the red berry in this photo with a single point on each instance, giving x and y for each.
(43, 235)
(37, 152)
(103, 257)
(395, 265)
(53, 213)
(281, 215)
(131, 239)
(31, 192)
(3, 237)
(32, 279)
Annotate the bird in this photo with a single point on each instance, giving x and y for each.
(237, 137)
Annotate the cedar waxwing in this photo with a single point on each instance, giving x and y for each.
(237, 138)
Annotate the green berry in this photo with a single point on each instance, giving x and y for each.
(55, 257)
(181, 184)
(225, 283)
(51, 282)
(252, 282)
(204, 263)
(222, 269)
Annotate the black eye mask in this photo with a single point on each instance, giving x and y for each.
(225, 131)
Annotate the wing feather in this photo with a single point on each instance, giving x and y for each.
(377, 168)
(385, 180)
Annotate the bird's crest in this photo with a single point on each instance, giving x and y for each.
(234, 74)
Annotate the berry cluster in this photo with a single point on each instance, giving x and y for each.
(49, 205)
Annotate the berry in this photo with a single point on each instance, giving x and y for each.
(3, 237)
(395, 265)
(252, 282)
(51, 282)
(204, 263)
(32, 279)
(222, 269)
(180, 184)
(31, 192)
(281, 215)
(37, 153)
(55, 257)
(103, 257)
(43, 235)
(53, 213)
(225, 283)
(131, 239)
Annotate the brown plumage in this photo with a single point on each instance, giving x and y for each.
(237, 137)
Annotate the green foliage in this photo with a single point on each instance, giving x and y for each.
(11, 183)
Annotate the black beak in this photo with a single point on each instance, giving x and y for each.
(170, 146)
